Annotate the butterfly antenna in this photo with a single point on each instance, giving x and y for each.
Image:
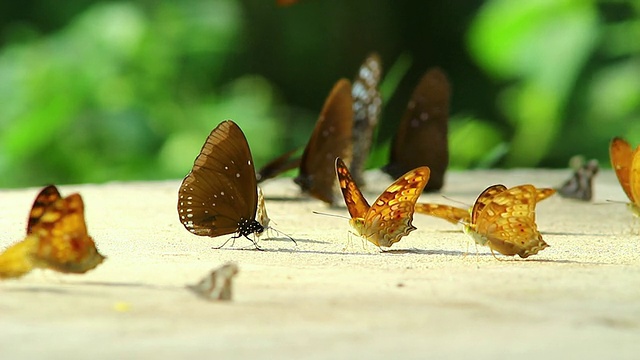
(281, 233)
(455, 201)
(334, 215)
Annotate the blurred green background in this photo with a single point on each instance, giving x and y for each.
(95, 91)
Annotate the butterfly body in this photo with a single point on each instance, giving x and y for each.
(505, 221)
(219, 195)
(626, 163)
(389, 218)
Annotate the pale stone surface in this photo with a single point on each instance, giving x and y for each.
(431, 296)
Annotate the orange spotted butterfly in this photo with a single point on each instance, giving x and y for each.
(626, 163)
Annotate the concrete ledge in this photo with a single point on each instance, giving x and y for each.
(432, 296)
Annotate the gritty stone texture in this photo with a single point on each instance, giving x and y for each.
(433, 295)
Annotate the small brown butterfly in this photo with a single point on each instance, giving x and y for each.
(456, 215)
(626, 162)
(580, 185)
(505, 221)
(390, 216)
(261, 212)
(421, 139)
(331, 138)
(219, 196)
(57, 238)
(217, 284)
(367, 104)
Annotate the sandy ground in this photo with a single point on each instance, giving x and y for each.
(432, 296)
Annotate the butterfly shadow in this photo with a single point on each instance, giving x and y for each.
(430, 252)
(561, 233)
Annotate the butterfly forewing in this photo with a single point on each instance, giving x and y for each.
(356, 203)
(331, 138)
(44, 199)
(367, 104)
(449, 213)
(621, 157)
(421, 139)
(484, 198)
(219, 196)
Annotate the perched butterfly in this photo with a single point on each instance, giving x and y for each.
(505, 221)
(367, 104)
(456, 215)
(421, 139)
(580, 184)
(277, 166)
(331, 138)
(57, 238)
(261, 212)
(626, 162)
(390, 216)
(219, 195)
(217, 284)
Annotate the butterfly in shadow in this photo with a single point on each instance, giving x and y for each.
(219, 196)
(217, 284)
(367, 104)
(580, 185)
(421, 139)
(626, 163)
(331, 138)
(504, 220)
(57, 238)
(457, 215)
(389, 218)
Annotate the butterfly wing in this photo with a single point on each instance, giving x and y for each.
(543, 193)
(356, 203)
(621, 156)
(634, 182)
(367, 104)
(331, 138)
(485, 198)
(508, 222)
(219, 195)
(278, 166)
(580, 184)
(421, 139)
(63, 242)
(44, 199)
(390, 216)
(261, 213)
(449, 213)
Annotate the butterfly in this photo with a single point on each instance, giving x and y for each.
(219, 196)
(277, 166)
(504, 220)
(331, 138)
(367, 104)
(421, 139)
(580, 184)
(457, 215)
(390, 216)
(217, 284)
(626, 162)
(261, 212)
(57, 238)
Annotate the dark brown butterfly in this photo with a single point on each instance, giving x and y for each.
(331, 138)
(277, 166)
(219, 196)
(580, 185)
(367, 104)
(422, 136)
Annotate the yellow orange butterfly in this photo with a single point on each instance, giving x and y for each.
(505, 221)
(457, 215)
(390, 216)
(56, 239)
(626, 162)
